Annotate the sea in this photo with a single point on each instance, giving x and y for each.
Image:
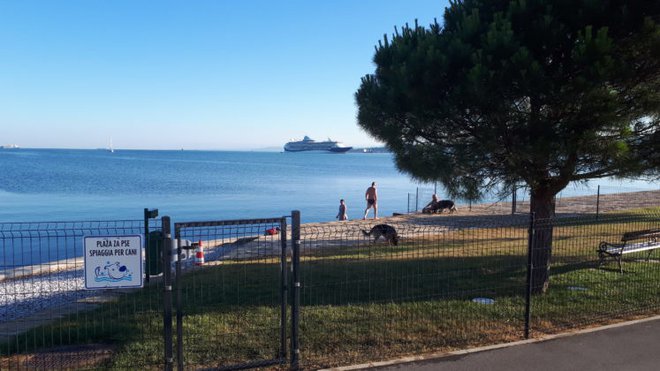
(41, 185)
(89, 186)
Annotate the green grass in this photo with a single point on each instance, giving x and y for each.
(369, 302)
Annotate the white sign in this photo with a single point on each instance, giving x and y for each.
(113, 262)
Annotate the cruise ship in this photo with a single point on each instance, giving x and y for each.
(309, 144)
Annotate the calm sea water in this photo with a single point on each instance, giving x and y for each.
(47, 185)
(54, 185)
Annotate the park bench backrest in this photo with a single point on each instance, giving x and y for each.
(649, 233)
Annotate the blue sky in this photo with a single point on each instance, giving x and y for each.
(224, 74)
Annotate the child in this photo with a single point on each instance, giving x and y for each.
(342, 211)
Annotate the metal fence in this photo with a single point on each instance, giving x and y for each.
(369, 299)
(459, 281)
(518, 201)
(582, 292)
(275, 293)
(241, 280)
(47, 318)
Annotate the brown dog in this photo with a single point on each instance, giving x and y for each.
(439, 207)
(385, 230)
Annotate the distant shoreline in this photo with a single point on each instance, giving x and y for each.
(266, 149)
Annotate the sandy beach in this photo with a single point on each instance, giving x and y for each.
(343, 233)
(579, 205)
(500, 211)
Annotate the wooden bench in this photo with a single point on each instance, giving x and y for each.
(631, 242)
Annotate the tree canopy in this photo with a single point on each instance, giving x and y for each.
(544, 92)
(535, 91)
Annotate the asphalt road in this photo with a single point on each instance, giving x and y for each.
(629, 347)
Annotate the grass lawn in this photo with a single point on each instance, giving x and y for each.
(371, 302)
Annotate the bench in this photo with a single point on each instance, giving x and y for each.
(631, 242)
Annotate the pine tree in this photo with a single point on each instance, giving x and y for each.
(538, 92)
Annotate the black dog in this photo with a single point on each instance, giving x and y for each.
(446, 204)
(387, 231)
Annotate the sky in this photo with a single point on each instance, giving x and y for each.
(218, 75)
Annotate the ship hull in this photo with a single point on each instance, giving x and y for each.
(309, 145)
(333, 150)
(340, 149)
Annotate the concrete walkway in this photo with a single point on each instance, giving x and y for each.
(628, 346)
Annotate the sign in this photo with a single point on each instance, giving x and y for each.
(113, 262)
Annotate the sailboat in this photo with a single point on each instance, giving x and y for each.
(110, 149)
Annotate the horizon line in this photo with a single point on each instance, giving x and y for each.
(261, 149)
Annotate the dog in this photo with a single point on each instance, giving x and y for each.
(385, 230)
(439, 206)
(446, 204)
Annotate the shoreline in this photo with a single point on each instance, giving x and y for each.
(567, 206)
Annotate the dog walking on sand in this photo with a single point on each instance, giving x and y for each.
(385, 230)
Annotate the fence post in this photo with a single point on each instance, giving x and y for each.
(167, 293)
(146, 245)
(148, 214)
(283, 289)
(295, 292)
(178, 295)
(513, 201)
(597, 202)
(408, 203)
(530, 268)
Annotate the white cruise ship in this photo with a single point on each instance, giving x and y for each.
(308, 144)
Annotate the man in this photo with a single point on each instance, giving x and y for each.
(432, 206)
(342, 211)
(372, 201)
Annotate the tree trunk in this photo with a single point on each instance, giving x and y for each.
(543, 206)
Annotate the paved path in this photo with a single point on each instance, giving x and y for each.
(628, 347)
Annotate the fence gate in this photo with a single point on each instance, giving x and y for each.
(229, 293)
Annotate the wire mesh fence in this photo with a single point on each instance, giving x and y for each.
(230, 301)
(47, 318)
(419, 199)
(463, 282)
(373, 296)
(584, 289)
(520, 203)
(368, 290)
